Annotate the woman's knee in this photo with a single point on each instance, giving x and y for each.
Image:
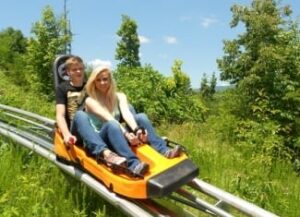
(112, 125)
(141, 117)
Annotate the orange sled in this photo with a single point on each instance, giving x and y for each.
(164, 176)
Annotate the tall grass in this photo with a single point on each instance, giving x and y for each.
(31, 186)
(275, 188)
(21, 97)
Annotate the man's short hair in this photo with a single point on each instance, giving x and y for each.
(73, 60)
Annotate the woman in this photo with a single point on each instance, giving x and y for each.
(106, 106)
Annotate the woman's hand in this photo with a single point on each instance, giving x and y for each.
(142, 135)
(132, 139)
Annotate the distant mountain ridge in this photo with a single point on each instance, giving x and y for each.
(218, 88)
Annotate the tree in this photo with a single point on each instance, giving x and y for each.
(49, 40)
(208, 90)
(127, 50)
(12, 46)
(204, 87)
(264, 64)
(182, 80)
(213, 84)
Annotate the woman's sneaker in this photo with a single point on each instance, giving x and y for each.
(114, 159)
(140, 169)
(174, 152)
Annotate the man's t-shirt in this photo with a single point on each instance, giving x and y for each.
(70, 96)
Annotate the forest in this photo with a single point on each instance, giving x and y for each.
(245, 139)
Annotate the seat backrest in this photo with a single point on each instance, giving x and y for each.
(60, 69)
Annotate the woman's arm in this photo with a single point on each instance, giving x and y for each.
(139, 134)
(96, 108)
(126, 114)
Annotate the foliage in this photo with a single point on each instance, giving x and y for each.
(146, 90)
(49, 40)
(12, 47)
(264, 63)
(21, 97)
(127, 51)
(208, 90)
(181, 80)
(143, 87)
(262, 141)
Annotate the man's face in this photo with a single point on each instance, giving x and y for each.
(76, 72)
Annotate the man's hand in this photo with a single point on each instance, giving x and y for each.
(70, 140)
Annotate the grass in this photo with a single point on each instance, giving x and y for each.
(31, 186)
(276, 189)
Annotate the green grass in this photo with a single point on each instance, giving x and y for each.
(276, 189)
(31, 186)
(21, 97)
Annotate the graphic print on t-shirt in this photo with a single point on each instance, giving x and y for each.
(72, 103)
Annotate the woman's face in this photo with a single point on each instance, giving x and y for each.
(102, 82)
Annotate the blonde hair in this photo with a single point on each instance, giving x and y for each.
(111, 98)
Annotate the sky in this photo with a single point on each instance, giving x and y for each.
(189, 30)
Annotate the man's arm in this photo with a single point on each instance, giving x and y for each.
(62, 124)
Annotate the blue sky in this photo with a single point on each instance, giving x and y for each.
(189, 30)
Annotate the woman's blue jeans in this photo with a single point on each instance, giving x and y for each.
(83, 130)
(155, 141)
(110, 136)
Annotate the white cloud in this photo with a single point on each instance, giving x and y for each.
(171, 40)
(97, 62)
(144, 39)
(208, 21)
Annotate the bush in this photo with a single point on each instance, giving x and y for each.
(147, 91)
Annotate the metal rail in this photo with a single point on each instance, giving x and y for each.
(46, 121)
(129, 207)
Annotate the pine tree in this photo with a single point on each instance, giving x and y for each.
(127, 51)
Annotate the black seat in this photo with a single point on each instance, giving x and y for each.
(60, 70)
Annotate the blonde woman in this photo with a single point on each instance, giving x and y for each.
(106, 106)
